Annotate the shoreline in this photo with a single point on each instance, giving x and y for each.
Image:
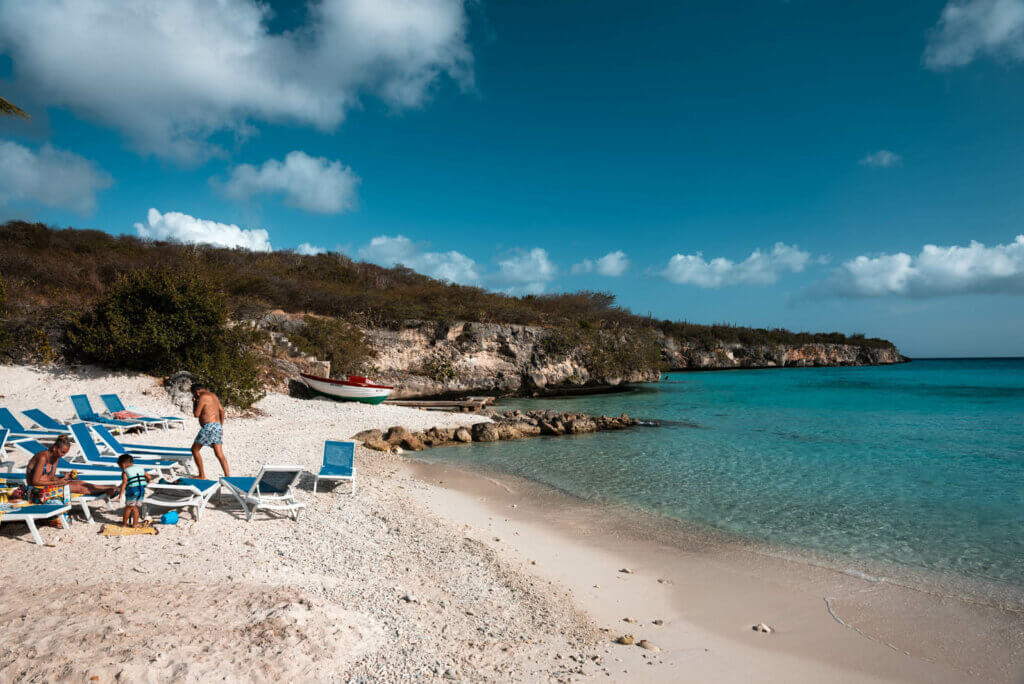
(829, 624)
(414, 577)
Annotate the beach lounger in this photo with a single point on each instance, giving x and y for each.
(339, 464)
(64, 465)
(89, 453)
(185, 492)
(111, 444)
(44, 421)
(115, 405)
(9, 422)
(81, 500)
(272, 489)
(85, 413)
(30, 514)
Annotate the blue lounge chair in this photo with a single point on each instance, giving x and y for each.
(9, 422)
(117, 448)
(84, 411)
(185, 492)
(339, 464)
(272, 489)
(33, 447)
(115, 405)
(90, 454)
(103, 478)
(30, 514)
(45, 421)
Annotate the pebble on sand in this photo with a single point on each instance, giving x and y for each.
(645, 644)
(625, 640)
(763, 628)
(626, 571)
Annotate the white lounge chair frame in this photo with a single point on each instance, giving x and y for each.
(30, 519)
(168, 495)
(254, 500)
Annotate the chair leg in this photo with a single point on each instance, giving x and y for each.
(315, 481)
(35, 533)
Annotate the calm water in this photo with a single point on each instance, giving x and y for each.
(920, 465)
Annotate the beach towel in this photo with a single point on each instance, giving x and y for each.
(127, 415)
(109, 530)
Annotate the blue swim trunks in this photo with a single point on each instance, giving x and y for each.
(210, 434)
(133, 495)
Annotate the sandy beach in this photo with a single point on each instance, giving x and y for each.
(430, 573)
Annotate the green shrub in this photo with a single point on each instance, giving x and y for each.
(160, 321)
(330, 339)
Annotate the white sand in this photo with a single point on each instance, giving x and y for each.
(322, 599)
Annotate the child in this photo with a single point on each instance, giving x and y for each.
(133, 488)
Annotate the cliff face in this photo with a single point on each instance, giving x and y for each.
(432, 359)
(429, 359)
(685, 356)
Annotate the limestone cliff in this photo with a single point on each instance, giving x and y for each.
(431, 359)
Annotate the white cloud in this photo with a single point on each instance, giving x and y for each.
(971, 28)
(177, 227)
(611, 264)
(172, 74)
(311, 183)
(48, 176)
(936, 271)
(451, 266)
(759, 268)
(526, 272)
(882, 158)
(307, 249)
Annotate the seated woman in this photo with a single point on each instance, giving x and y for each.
(41, 475)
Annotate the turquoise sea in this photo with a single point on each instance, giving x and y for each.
(917, 467)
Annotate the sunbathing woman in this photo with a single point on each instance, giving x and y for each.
(41, 474)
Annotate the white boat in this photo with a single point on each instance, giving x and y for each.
(354, 388)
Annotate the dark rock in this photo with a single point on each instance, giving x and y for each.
(367, 435)
(463, 435)
(485, 432)
(179, 387)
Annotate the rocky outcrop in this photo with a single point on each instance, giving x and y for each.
(684, 356)
(431, 359)
(503, 426)
(434, 359)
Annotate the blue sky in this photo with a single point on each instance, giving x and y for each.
(762, 163)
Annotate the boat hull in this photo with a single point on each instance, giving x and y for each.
(366, 394)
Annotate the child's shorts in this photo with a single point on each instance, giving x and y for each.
(133, 496)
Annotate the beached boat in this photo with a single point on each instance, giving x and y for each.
(354, 388)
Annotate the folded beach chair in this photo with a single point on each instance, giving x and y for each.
(111, 444)
(30, 514)
(89, 453)
(339, 464)
(115, 405)
(272, 489)
(9, 422)
(85, 412)
(185, 492)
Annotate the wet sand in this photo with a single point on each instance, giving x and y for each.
(829, 625)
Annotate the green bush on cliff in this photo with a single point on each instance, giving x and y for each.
(330, 339)
(161, 320)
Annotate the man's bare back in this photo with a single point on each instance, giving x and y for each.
(208, 408)
(210, 413)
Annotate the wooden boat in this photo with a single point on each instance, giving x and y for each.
(354, 388)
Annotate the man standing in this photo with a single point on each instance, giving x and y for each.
(211, 429)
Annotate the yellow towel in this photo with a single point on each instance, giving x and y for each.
(119, 531)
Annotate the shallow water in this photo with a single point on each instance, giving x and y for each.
(918, 466)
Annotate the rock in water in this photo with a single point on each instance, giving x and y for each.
(463, 435)
(485, 432)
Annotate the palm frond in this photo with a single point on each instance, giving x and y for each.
(8, 109)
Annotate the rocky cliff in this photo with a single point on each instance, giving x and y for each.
(430, 359)
(684, 356)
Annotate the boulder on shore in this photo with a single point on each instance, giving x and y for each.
(401, 437)
(366, 435)
(463, 435)
(485, 432)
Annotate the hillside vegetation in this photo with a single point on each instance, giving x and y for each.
(54, 281)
